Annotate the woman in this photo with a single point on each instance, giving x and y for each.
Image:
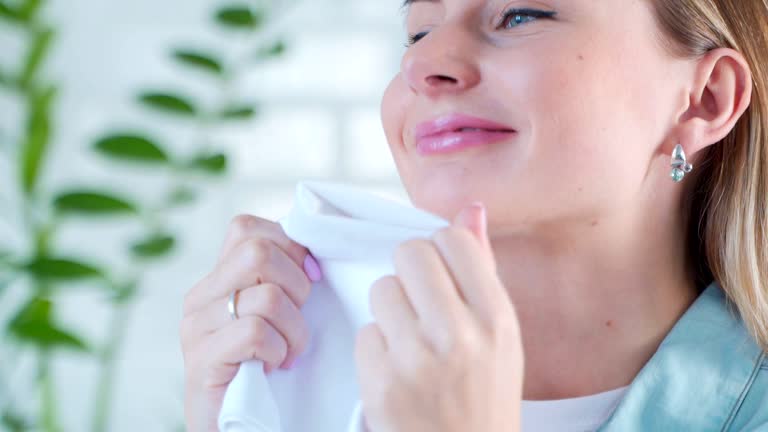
(619, 270)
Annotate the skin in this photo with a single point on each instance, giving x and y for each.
(444, 352)
(584, 222)
(580, 257)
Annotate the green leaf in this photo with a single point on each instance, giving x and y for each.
(5, 79)
(50, 336)
(28, 11)
(132, 148)
(92, 203)
(14, 422)
(211, 164)
(275, 50)
(61, 269)
(180, 196)
(37, 137)
(38, 51)
(238, 112)
(199, 60)
(125, 292)
(8, 13)
(170, 103)
(33, 324)
(154, 246)
(239, 17)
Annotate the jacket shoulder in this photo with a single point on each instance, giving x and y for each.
(752, 413)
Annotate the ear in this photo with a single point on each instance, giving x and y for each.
(719, 95)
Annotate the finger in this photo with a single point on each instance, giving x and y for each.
(372, 368)
(429, 287)
(370, 353)
(215, 361)
(252, 262)
(474, 218)
(267, 301)
(473, 272)
(248, 338)
(247, 227)
(392, 310)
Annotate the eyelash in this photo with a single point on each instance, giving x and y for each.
(511, 13)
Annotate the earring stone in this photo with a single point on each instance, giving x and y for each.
(680, 166)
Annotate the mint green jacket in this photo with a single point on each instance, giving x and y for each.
(707, 375)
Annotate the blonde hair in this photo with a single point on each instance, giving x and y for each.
(728, 206)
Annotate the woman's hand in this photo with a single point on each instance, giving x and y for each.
(445, 352)
(267, 269)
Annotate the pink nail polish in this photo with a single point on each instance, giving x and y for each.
(312, 268)
(287, 363)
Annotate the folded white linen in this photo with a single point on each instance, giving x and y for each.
(352, 234)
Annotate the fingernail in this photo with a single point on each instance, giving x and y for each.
(287, 363)
(312, 268)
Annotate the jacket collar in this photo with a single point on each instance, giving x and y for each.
(698, 376)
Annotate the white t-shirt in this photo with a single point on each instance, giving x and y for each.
(579, 414)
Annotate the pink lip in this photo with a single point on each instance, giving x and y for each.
(444, 134)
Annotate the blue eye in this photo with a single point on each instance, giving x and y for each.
(514, 17)
(510, 19)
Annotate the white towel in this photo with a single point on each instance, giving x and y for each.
(353, 235)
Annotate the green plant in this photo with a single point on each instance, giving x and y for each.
(46, 268)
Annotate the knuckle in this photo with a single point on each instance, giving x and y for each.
(454, 343)
(272, 299)
(243, 223)
(256, 333)
(256, 252)
(189, 297)
(466, 339)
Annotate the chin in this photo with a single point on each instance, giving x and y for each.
(443, 197)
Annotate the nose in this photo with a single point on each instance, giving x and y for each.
(441, 63)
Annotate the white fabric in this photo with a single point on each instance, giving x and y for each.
(353, 234)
(580, 414)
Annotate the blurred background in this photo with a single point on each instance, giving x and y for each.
(130, 135)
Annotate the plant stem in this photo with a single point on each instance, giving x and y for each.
(48, 413)
(108, 359)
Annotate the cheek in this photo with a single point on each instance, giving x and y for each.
(393, 107)
(593, 121)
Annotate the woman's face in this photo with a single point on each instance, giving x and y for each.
(582, 97)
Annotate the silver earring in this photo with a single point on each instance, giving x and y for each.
(679, 165)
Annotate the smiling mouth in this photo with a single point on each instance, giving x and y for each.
(470, 129)
(450, 141)
(457, 131)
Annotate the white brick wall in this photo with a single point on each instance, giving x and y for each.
(319, 119)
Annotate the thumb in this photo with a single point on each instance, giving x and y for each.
(473, 217)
